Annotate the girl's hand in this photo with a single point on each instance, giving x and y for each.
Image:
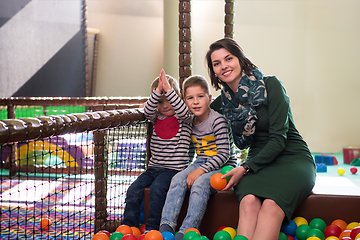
(193, 176)
(236, 175)
(165, 82)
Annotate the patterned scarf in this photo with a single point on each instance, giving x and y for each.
(239, 107)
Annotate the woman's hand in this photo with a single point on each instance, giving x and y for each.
(193, 176)
(236, 175)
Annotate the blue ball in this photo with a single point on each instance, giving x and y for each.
(168, 236)
(289, 228)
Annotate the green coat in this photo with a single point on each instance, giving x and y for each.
(283, 168)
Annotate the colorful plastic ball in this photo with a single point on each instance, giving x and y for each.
(168, 236)
(222, 235)
(332, 238)
(116, 236)
(231, 231)
(240, 237)
(45, 224)
(346, 238)
(129, 237)
(357, 236)
(341, 223)
(332, 230)
(124, 229)
(153, 235)
(142, 228)
(289, 228)
(345, 233)
(106, 232)
(314, 232)
(300, 221)
(225, 170)
(221, 228)
(100, 236)
(217, 182)
(204, 237)
(282, 236)
(355, 232)
(318, 223)
(142, 236)
(135, 231)
(313, 238)
(302, 231)
(192, 229)
(353, 170)
(341, 171)
(191, 235)
(290, 237)
(352, 225)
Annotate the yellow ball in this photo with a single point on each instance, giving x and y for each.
(357, 237)
(231, 231)
(313, 238)
(332, 238)
(341, 171)
(352, 225)
(300, 221)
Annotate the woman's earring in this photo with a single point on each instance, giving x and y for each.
(215, 75)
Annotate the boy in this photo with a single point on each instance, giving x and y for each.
(169, 146)
(211, 139)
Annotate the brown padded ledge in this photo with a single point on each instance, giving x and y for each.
(222, 210)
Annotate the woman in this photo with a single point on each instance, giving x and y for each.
(279, 171)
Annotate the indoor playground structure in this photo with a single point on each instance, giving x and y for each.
(66, 164)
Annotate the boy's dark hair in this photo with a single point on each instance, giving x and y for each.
(173, 84)
(196, 80)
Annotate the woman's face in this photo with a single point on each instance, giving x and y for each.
(227, 67)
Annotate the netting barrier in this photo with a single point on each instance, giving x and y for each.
(69, 170)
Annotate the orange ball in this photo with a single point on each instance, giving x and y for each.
(45, 223)
(341, 223)
(124, 229)
(135, 231)
(192, 229)
(217, 182)
(345, 233)
(153, 235)
(100, 236)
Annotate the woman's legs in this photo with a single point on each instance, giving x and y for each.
(259, 220)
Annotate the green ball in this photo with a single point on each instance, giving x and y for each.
(191, 235)
(315, 233)
(204, 237)
(225, 170)
(116, 236)
(222, 235)
(240, 237)
(301, 231)
(282, 236)
(318, 223)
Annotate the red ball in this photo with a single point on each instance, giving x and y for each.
(353, 170)
(217, 182)
(142, 237)
(142, 228)
(355, 232)
(221, 228)
(332, 230)
(290, 237)
(106, 232)
(128, 237)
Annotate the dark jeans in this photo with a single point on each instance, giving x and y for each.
(158, 179)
